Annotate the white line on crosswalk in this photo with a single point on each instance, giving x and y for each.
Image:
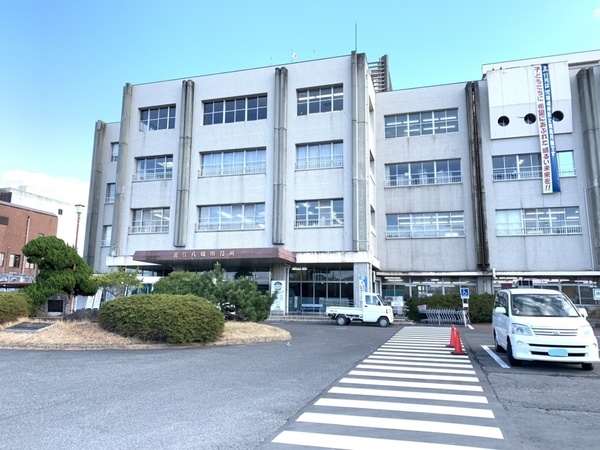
(391, 365)
(421, 357)
(411, 384)
(406, 407)
(401, 361)
(403, 424)
(408, 394)
(420, 376)
(341, 442)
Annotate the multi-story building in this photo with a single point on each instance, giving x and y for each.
(18, 225)
(319, 180)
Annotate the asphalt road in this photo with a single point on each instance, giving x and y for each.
(240, 396)
(209, 398)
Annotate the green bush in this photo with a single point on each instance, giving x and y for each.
(175, 319)
(480, 306)
(14, 305)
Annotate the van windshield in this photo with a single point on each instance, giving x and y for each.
(546, 305)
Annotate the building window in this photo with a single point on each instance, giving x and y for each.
(114, 152)
(536, 221)
(319, 213)
(3, 220)
(529, 165)
(320, 100)
(111, 191)
(2, 257)
(425, 225)
(106, 235)
(154, 168)
(232, 217)
(319, 156)
(423, 173)
(14, 261)
(422, 123)
(29, 266)
(162, 118)
(236, 162)
(242, 109)
(150, 220)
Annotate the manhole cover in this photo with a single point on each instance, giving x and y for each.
(29, 327)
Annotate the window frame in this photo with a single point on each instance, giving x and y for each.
(318, 100)
(321, 155)
(232, 217)
(519, 161)
(150, 220)
(538, 221)
(157, 118)
(153, 173)
(441, 224)
(421, 123)
(243, 162)
(416, 173)
(319, 213)
(238, 109)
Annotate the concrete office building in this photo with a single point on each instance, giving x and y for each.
(320, 181)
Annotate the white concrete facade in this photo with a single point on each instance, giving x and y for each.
(328, 258)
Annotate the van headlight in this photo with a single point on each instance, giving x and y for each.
(586, 331)
(518, 329)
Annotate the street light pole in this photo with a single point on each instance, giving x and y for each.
(78, 210)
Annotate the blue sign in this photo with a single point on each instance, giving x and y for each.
(464, 293)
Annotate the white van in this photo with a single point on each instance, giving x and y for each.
(542, 325)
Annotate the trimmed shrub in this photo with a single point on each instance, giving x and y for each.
(14, 305)
(175, 319)
(480, 306)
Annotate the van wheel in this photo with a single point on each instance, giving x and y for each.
(587, 366)
(511, 359)
(499, 348)
(383, 321)
(341, 320)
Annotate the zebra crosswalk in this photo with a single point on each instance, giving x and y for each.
(412, 392)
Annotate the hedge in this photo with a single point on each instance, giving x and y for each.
(175, 319)
(14, 305)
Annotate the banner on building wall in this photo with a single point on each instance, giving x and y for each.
(543, 93)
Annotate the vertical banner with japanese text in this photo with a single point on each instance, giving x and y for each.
(543, 94)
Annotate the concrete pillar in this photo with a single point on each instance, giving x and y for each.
(180, 216)
(280, 155)
(94, 200)
(588, 83)
(123, 176)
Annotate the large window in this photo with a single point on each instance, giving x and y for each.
(517, 222)
(319, 156)
(154, 168)
(235, 110)
(320, 100)
(320, 213)
(106, 235)
(232, 217)
(423, 173)
(529, 165)
(425, 225)
(14, 261)
(150, 220)
(114, 152)
(422, 123)
(157, 118)
(234, 162)
(111, 191)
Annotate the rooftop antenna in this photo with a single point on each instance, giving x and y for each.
(355, 37)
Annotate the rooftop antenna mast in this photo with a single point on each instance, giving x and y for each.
(355, 37)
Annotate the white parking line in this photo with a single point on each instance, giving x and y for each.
(495, 357)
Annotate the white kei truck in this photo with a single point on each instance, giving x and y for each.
(370, 309)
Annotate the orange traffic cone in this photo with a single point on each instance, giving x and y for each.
(458, 349)
(452, 337)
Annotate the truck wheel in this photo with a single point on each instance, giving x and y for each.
(383, 321)
(341, 320)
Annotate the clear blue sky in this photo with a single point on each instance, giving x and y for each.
(64, 62)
